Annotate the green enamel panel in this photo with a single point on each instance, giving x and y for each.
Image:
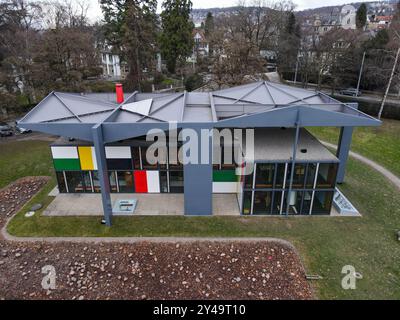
(67, 164)
(225, 176)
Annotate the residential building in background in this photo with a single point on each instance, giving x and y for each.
(338, 18)
(379, 22)
(379, 16)
(201, 44)
(348, 17)
(113, 68)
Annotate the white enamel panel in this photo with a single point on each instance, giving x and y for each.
(64, 152)
(225, 187)
(118, 153)
(94, 159)
(153, 181)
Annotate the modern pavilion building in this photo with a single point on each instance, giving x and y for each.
(103, 146)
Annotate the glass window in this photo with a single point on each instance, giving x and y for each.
(299, 175)
(136, 158)
(75, 181)
(87, 181)
(228, 161)
(145, 164)
(262, 203)
(248, 181)
(216, 157)
(247, 203)
(327, 175)
(164, 181)
(96, 182)
(306, 203)
(113, 181)
(125, 182)
(322, 203)
(240, 171)
(293, 199)
(176, 182)
(312, 168)
(162, 165)
(61, 182)
(280, 175)
(265, 176)
(175, 164)
(119, 164)
(276, 204)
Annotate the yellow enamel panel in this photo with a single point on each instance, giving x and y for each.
(86, 159)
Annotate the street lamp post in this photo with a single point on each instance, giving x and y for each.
(389, 84)
(361, 70)
(295, 73)
(297, 68)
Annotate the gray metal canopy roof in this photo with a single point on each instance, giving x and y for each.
(260, 104)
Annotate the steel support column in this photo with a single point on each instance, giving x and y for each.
(102, 172)
(198, 179)
(294, 156)
(346, 134)
(342, 153)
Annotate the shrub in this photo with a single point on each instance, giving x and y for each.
(193, 82)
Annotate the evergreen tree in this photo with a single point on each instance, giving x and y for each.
(361, 17)
(176, 41)
(289, 44)
(209, 24)
(131, 28)
(380, 40)
(291, 23)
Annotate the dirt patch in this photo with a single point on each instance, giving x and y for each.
(200, 270)
(14, 196)
(153, 271)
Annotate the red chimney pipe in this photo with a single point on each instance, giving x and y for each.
(120, 93)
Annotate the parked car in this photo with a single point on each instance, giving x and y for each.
(351, 92)
(20, 129)
(5, 130)
(23, 130)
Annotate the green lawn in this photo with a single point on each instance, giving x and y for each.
(381, 144)
(24, 158)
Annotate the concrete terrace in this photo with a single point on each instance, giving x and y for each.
(87, 204)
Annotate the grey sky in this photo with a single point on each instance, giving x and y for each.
(95, 11)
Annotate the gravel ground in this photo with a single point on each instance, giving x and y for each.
(15, 195)
(213, 270)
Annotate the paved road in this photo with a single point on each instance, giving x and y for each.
(365, 97)
(389, 175)
(29, 137)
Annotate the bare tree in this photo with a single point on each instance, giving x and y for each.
(238, 38)
(18, 22)
(67, 48)
(236, 57)
(324, 52)
(46, 46)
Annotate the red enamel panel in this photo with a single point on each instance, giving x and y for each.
(140, 181)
